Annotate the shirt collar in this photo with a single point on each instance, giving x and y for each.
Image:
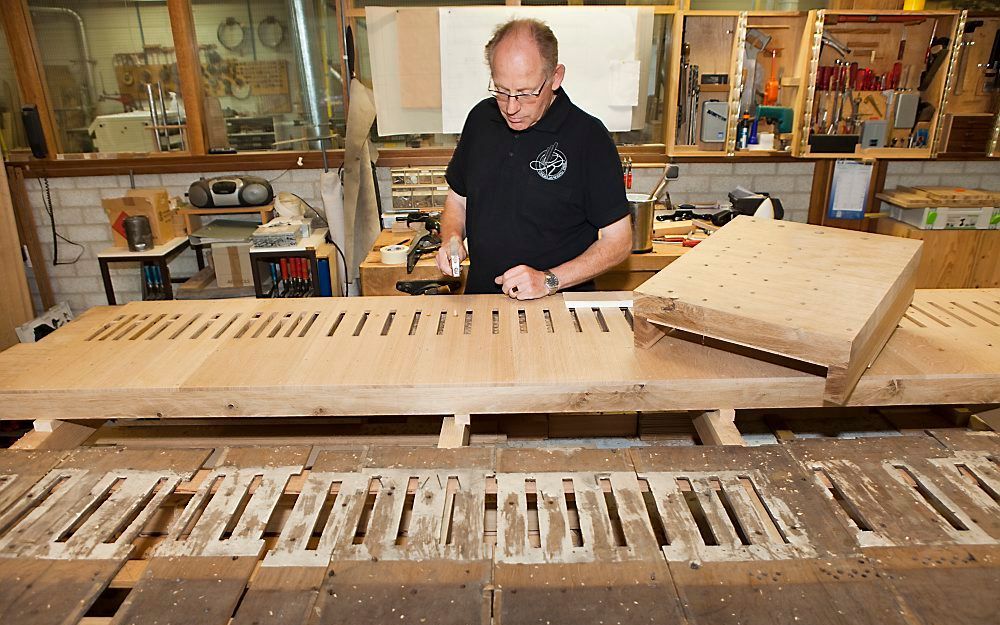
(553, 118)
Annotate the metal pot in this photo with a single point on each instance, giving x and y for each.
(138, 233)
(641, 209)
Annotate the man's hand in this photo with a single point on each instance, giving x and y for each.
(443, 257)
(523, 282)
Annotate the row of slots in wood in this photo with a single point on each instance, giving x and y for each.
(299, 324)
(739, 495)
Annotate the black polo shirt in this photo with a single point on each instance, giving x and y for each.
(534, 197)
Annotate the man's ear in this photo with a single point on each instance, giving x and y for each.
(558, 75)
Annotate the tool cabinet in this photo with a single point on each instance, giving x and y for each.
(712, 86)
(876, 83)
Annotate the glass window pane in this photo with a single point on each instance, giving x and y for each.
(259, 94)
(108, 51)
(11, 129)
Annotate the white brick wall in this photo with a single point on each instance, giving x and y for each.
(968, 174)
(79, 216)
(711, 182)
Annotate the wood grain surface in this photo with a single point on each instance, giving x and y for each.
(359, 356)
(817, 295)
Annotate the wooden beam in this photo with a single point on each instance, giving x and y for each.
(189, 70)
(57, 435)
(718, 427)
(15, 299)
(986, 420)
(27, 61)
(29, 236)
(819, 198)
(454, 432)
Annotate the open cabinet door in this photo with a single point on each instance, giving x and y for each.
(15, 300)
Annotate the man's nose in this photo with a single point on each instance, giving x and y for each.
(513, 105)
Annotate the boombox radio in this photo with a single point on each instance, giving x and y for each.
(230, 191)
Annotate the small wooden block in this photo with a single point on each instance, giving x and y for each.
(646, 333)
(55, 434)
(717, 427)
(821, 296)
(454, 432)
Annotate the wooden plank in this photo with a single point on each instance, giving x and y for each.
(198, 590)
(15, 300)
(409, 592)
(109, 362)
(20, 470)
(836, 591)
(948, 257)
(777, 496)
(199, 574)
(846, 306)
(623, 592)
(943, 584)
(65, 538)
(29, 236)
(900, 491)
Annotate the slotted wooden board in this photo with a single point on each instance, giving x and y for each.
(822, 296)
(818, 531)
(331, 357)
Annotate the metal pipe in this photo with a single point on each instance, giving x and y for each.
(88, 63)
(164, 120)
(302, 17)
(152, 114)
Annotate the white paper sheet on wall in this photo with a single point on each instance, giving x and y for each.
(585, 35)
(623, 77)
(393, 117)
(849, 189)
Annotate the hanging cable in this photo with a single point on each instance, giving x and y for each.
(47, 203)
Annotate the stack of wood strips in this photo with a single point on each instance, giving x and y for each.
(935, 197)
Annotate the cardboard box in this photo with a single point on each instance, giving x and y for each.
(232, 264)
(153, 203)
(946, 218)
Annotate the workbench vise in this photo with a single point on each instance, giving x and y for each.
(781, 119)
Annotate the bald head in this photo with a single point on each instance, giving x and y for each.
(527, 37)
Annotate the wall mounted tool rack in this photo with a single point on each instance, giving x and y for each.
(876, 83)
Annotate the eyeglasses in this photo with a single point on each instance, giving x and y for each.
(503, 96)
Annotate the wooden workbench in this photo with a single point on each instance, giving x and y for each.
(951, 259)
(380, 279)
(888, 531)
(456, 355)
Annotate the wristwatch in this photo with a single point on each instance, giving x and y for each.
(551, 282)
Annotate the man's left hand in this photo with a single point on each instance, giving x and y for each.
(523, 282)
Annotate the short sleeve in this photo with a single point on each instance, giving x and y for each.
(457, 170)
(605, 188)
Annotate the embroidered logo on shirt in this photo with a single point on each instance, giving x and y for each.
(551, 163)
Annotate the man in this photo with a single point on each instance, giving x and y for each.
(533, 178)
